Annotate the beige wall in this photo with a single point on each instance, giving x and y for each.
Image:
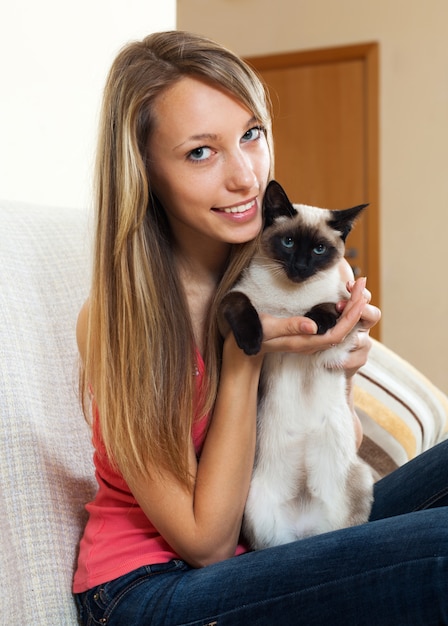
(413, 38)
(54, 58)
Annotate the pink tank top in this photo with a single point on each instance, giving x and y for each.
(118, 537)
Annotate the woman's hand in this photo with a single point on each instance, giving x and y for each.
(359, 353)
(298, 334)
(370, 316)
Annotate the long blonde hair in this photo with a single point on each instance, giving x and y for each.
(140, 359)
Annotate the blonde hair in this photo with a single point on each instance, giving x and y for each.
(140, 359)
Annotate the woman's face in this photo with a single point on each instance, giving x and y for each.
(209, 164)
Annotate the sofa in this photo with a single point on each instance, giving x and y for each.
(46, 471)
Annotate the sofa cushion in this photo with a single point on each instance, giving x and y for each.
(45, 452)
(401, 411)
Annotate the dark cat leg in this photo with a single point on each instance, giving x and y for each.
(242, 317)
(325, 316)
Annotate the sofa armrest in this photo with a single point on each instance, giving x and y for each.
(401, 411)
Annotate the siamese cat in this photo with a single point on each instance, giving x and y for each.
(307, 477)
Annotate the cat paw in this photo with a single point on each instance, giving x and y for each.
(325, 316)
(244, 321)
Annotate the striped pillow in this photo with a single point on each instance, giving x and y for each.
(401, 411)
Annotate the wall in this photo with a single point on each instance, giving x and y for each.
(54, 57)
(413, 138)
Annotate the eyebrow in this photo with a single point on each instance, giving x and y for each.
(200, 137)
(210, 136)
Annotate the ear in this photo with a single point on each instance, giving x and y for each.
(344, 220)
(276, 204)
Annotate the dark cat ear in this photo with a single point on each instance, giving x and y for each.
(344, 220)
(276, 203)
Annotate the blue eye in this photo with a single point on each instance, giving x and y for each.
(320, 249)
(252, 134)
(200, 154)
(287, 242)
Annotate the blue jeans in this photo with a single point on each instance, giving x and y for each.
(392, 570)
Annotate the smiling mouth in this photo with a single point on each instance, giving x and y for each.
(241, 208)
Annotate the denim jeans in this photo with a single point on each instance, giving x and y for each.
(392, 570)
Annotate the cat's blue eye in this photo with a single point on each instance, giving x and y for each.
(320, 249)
(200, 154)
(287, 242)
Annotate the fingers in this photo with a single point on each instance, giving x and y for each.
(358, 356)
(371, 314)
(294, 334)
(354, 307)
(274, 327)
(299, 334)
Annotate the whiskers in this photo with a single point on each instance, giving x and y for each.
(274, 267)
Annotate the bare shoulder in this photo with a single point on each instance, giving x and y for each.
(81, 328)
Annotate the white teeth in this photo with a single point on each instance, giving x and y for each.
(239, 209)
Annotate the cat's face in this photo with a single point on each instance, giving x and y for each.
(304, 240)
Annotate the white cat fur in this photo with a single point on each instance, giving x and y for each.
(307, 478)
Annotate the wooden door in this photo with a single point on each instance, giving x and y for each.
(325, 111)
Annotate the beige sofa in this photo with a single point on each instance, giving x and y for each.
(46, 472)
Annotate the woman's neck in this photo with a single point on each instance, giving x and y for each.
(200, 275)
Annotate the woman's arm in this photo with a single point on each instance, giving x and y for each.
(81, 329)
(203, 524)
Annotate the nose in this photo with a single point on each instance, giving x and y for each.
(240, 172)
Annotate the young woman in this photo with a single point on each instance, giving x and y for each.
(184, 157)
